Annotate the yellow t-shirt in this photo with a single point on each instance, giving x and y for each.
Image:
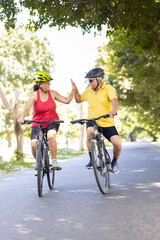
(100, 103)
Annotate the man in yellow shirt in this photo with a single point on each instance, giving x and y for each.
(102, 100)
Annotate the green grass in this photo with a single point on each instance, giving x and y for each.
(14, 165)
(64, 154)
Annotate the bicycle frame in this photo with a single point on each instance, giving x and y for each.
(42, 157)
(100, 156)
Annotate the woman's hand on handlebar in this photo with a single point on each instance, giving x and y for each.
(21, 120)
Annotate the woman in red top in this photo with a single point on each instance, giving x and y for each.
(44, 109)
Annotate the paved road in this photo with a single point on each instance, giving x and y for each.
(76, 210)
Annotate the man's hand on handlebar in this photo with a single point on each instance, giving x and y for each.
(112, 114)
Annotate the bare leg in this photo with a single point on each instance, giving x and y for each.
(51, 136)
(117, 148)
(117, 145)
(34, 147)
(90, 133)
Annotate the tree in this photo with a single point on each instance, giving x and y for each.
(138, 18)
(21, 55)
(135, 74)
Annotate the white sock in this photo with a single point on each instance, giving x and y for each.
(54, 160)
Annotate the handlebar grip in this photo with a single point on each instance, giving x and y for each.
(73, 122)
(26, 122)
(23, 123)
(80, 121)
(60, 121)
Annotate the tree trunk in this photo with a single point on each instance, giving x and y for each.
(19, 135)
(9, 139)
(17, 127)
(15, 114)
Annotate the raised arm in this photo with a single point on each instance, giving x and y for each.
(76, 95)
(63, 99)
(32, 99)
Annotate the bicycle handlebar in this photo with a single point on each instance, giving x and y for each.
(41, 122)
(82, 121)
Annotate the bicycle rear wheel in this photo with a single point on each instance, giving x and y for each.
(100, 168)
(50, 173)
(40, 173)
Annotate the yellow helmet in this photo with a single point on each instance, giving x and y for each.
(42, 77)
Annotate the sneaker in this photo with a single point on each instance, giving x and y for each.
(89, 165)
(55, 164)
(115, 168)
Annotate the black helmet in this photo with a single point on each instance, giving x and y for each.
(95, 73)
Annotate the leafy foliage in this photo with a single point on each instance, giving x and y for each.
(21, 55)
(18, 155)
(135, 74)
(139, 17)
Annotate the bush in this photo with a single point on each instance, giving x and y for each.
(18, 155)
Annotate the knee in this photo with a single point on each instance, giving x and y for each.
(90, 133)
(34, 145)
(52, 138)
(116, 142)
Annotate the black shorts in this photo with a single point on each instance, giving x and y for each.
(35, 130)
(107, 132)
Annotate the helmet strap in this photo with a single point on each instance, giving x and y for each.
(43, 90)
(97, 85)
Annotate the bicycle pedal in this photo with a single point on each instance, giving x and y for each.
(57, 168)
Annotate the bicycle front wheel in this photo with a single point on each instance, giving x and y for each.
(108, 162)
(40, 173)
(100, 168)
(50, 173)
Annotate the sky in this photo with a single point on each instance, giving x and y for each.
(74, 55)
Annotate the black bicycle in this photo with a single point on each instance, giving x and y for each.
(100, 157)
(43, 166)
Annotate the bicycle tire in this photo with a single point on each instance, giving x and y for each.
(101, 172)
(40, 173)
(108, 162)
(50, 173)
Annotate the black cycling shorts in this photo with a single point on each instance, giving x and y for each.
(35, 130)
(107, 132)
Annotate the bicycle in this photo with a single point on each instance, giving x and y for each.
(42, 157)
(100, 157)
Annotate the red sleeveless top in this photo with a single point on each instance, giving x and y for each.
(44, 111)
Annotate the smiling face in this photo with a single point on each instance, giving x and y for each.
(45, 86)
(95, 83)
(92, 82)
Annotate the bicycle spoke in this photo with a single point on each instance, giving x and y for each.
(40, 173)
(50, 173)
(100, 168)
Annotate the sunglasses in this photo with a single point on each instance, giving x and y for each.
(46, 82)
(90, 81)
